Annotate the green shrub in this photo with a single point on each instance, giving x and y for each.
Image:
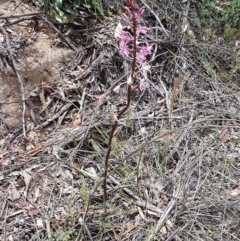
(67, 11)
(231, 16)
(224, 14)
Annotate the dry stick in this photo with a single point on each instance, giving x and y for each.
(155, 15)
(56, 116)
(174, 94)
(8, 23)
(19, 77)
(137, 200)
(5, 224)
(20, 15)
(176, 193)
(129, 92)
(162, 219)
(154, 138)
(67, 40)
(96, 109)
(39, 15)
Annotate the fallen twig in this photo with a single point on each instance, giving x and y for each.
(56, 116)
(14, 66)
(68, 42)
(157, 18)
(137, 200)
(20, 15)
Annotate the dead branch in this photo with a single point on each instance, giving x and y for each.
(13, 64)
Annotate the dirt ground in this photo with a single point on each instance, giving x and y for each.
(39, 61)
(174, 167)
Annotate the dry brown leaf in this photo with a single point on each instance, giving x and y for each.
(13, 193)
(235, 192)
(2, 142)
(163, 231)
(1, 38)
(169, 224)
(43, 100)
(35, 150)
(27, 178)
(40, 224)
(223, 134)
(29, 207)
(130, 226)
(141, 214)
(237, 44)
(36, 194)
(174, 93)
(32, 135)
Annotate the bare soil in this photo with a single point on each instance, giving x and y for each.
(39, 61)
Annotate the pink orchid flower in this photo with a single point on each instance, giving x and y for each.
(126, 38)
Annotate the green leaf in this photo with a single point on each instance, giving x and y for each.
(68, 10)
(58, 3)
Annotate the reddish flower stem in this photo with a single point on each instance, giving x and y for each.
(132, 6)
